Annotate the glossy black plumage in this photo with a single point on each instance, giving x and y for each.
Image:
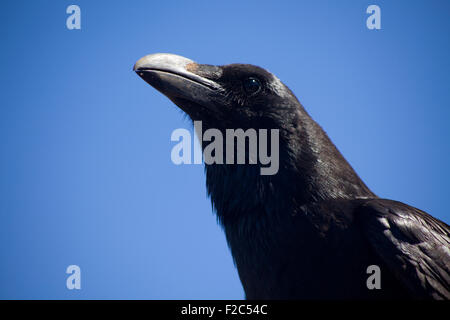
(311, 230)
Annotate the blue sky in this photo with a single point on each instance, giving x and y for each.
(85, 170)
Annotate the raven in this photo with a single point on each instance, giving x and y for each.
(313, 230)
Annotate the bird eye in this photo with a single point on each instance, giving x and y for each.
(252, 85)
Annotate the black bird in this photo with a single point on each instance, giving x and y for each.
(311, 230)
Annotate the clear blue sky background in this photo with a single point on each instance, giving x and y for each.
(85, 170)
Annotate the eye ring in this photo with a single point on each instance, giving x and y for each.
(252, 85)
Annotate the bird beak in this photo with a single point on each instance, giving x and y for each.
(188, 84)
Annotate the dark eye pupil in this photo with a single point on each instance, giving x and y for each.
(252, 85)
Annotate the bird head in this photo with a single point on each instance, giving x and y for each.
(230, 96)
